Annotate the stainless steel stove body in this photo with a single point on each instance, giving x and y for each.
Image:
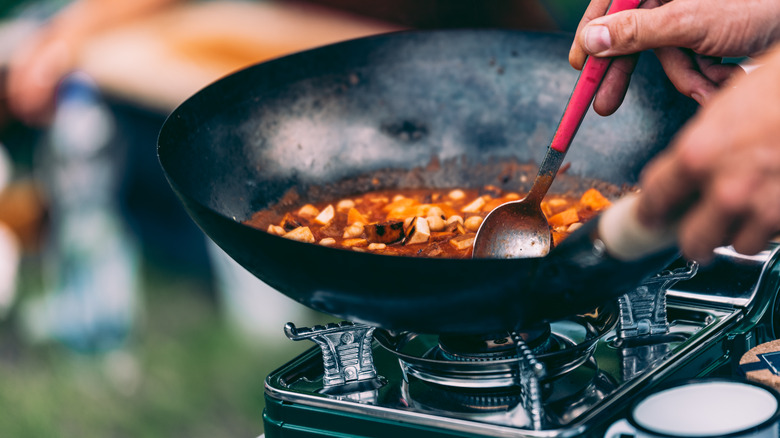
(571, 378)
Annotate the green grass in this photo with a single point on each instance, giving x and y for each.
(184, 373)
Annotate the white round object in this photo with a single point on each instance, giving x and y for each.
(714, 408)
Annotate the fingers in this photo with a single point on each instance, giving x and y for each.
(683, 71)
(715, 71)
(720, 179)
(641, 29)
(716, 218)
(668, 189)
(613, 88)
(695, 76)
(33, 76)
(596, 9)
(762, 222)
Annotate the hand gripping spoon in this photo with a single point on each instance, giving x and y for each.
(519, 229)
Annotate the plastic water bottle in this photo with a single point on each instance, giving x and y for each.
(90, 260)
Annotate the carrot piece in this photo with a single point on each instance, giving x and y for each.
(400, 203)
(564, 218)
(493, 204)
(354, 216)
(594, 200)
(558, 237)
(546, 209)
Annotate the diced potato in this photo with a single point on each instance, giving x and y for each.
(512, 196)
(328, 241)
(419, 232)
(353, 243)
(474, 206)
(454, 218)
(594, 200)
(376, 246)
(435, 223)
(398, 197)
(573, 227)
(385, 232)
(276, 229)
(463, 242)
(456, 195)
(436, 210)
(326, 215)
(308, 211)
(345, 205)
(354, 230)
(473, 223)
(301, 234)
(564, 218)
(354, 216)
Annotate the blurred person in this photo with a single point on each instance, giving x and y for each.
(40, 63)
(720, 177)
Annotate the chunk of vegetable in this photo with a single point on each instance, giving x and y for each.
(385, 232)
(464, 241)
(326, 215)
(594, 200)
(301, 234)
(419, 232)
(564, 218)
(354, 216)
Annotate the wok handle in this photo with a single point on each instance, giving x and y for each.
(626, 238)
(588, 83)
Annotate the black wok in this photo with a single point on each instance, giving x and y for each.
(442, 109)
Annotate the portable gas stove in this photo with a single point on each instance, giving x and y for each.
(567, 378)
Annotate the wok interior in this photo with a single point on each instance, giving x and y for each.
(416, 109)
(397, 102)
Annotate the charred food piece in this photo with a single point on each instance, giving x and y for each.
(385, 232)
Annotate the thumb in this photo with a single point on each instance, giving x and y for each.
(636, 30)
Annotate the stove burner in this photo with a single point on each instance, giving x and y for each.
(481, 362)
(493, 346)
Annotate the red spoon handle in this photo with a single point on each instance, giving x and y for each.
(586, 87)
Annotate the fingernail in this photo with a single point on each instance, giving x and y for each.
(701, 99)
(597, 39)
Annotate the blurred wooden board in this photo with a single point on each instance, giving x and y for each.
(158, 62)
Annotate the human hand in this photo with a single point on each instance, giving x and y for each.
(34, 72)
(690, 37)
(37, 67)
(720, 178)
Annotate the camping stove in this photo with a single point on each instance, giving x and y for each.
(571, 377)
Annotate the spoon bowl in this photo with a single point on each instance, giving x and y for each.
(502, 225)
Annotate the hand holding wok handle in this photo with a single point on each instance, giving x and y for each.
(604, 258)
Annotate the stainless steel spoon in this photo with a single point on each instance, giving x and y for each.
(519, 229)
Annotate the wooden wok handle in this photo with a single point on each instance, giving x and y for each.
(588, 83)
(626, 238)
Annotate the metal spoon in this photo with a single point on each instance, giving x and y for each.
(519, 229)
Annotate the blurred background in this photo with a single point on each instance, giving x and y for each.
(117, 317)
